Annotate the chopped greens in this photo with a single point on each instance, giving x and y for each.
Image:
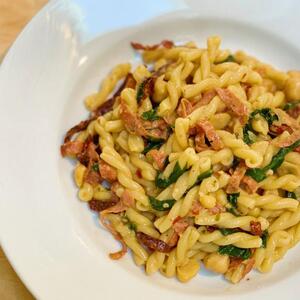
(131, 226)
(128, 223)
(150, 115)
(176, 173)
(233, 211)
(161, 205)
(95, 167)
(266, 113)
(152, 144)
(234, 251)
(227, 231)
(140, 91)
(202, 176)
(264, 238)
(259, 174)
(291, 105)
(291, 195)
(232, 199)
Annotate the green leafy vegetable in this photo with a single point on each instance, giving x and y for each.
(202, 176)
(161, 205)
(291, 195)
(227, 231)
(291, 105)
(235, 251)
(259, 174)
(233, 211)
(176, 173)
(128, 223)
(152, 144)
(131, 226)
(266, 113)
(232, 199)
(150, 115)
(95, 167)
(246, 136)
(140, 91)
(264, 238)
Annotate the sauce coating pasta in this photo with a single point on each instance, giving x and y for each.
(193, 160)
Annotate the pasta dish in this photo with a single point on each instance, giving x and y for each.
(193, 158)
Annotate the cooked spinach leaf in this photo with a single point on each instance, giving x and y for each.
(227, 231)
(259, 174)
(232, 199)
(234, 251)
(264, 238)
(150, 115)
(161, 205)
(165, 182)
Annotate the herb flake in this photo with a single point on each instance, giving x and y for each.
(234, 251)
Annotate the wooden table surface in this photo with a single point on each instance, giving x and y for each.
(14, 15)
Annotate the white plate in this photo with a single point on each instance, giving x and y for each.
(52, 239)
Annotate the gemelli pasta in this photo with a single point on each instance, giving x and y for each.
(192, 158)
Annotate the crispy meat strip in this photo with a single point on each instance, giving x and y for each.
(107, 172)
(116, 235)
(280, 129)
(217, 209)
(88, 152)
(104, 108)
(206, 98)
(157, 129)
(196, 207)
(233, 102)
(131, 121)
(173, 240)
(200, 144)
(71, 148)
(127, 198)
(211, 134)
(185, 107)
(236, 178)
(159, 158)
(77, 128)
(295, 136)
(255, 228)
(97, 205)
(250, 184)
(284, 118)
(135, 125)
(153, 243)
(295, 112)
(180, 225)
(91, 176)
(148, 87)
(165, 44)
(236, 262)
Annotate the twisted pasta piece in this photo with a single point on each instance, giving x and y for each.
(108, 84)
(238, 239)
(252, 158)
(265, 257)
(228, 220)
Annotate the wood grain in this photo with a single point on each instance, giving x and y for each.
(14, 15)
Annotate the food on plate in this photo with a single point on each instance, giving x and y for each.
(193, 157)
